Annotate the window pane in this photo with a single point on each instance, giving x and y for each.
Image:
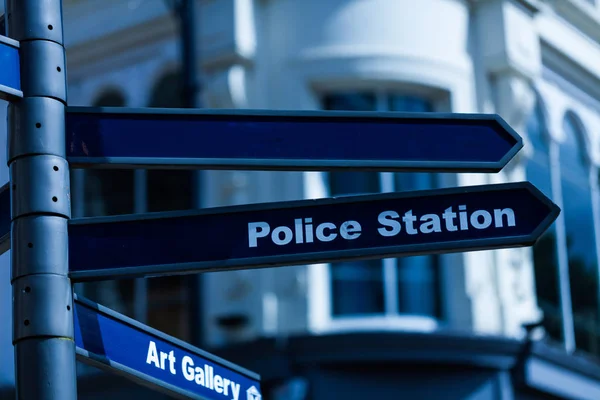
(350, 101)
(356, 287)
(403, 103)
(417, 276)
(544, 252)
(581, 246)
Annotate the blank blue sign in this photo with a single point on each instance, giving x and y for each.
(309, 231)
(10, 74)
(271, 140)
(114, 342)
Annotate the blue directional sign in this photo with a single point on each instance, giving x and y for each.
(10, 73)
(116, 343)
(276, 140)
(309, 231)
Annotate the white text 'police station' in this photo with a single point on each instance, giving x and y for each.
(391, 223)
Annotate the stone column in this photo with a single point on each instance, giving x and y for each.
(509, 51)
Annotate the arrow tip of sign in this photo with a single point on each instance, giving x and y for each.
(518, 145)
(509, 129)
(554, 209)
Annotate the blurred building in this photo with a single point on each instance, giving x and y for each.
(434, 327)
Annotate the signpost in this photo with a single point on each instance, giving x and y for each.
(10, 78)
(45, 366)
(309, 231)
(286, 140)
(51, 326)
(118, 344)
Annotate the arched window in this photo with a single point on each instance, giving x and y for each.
(545, 251)
(580, 236)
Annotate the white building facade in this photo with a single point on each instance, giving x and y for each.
(534, 62)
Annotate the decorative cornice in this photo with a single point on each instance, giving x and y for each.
(582, 15)
(129, 45)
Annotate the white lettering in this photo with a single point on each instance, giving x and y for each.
(205, 376)
(350, 230)
(187, 367)
(320, 232)
(226, 383)
(218, 384)
(287, 235)
(172, 362)
(464, 226)
(430, 223)
(487, 219)
(152, 357)
(408, 219)
(385, 219)
(199, 379)
(163, 358)
(298, 229)
(308, 230)
(235, 390)
(449, 218)
(254, 233)
(510, 217)
(208, 375)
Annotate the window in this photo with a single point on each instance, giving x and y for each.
(580, 237)
(544, 252)
(390, 286)
(576, 314)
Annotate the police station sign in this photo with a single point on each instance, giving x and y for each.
(391, 224)
(311, 231)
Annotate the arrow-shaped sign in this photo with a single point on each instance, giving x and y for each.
(114, 342)
(278, 140)
(309, 231)
(10, 73)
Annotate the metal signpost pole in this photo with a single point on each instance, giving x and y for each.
(40, 207)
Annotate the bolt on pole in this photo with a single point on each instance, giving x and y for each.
(40, 207)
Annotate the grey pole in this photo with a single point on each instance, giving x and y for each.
(40, 207)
